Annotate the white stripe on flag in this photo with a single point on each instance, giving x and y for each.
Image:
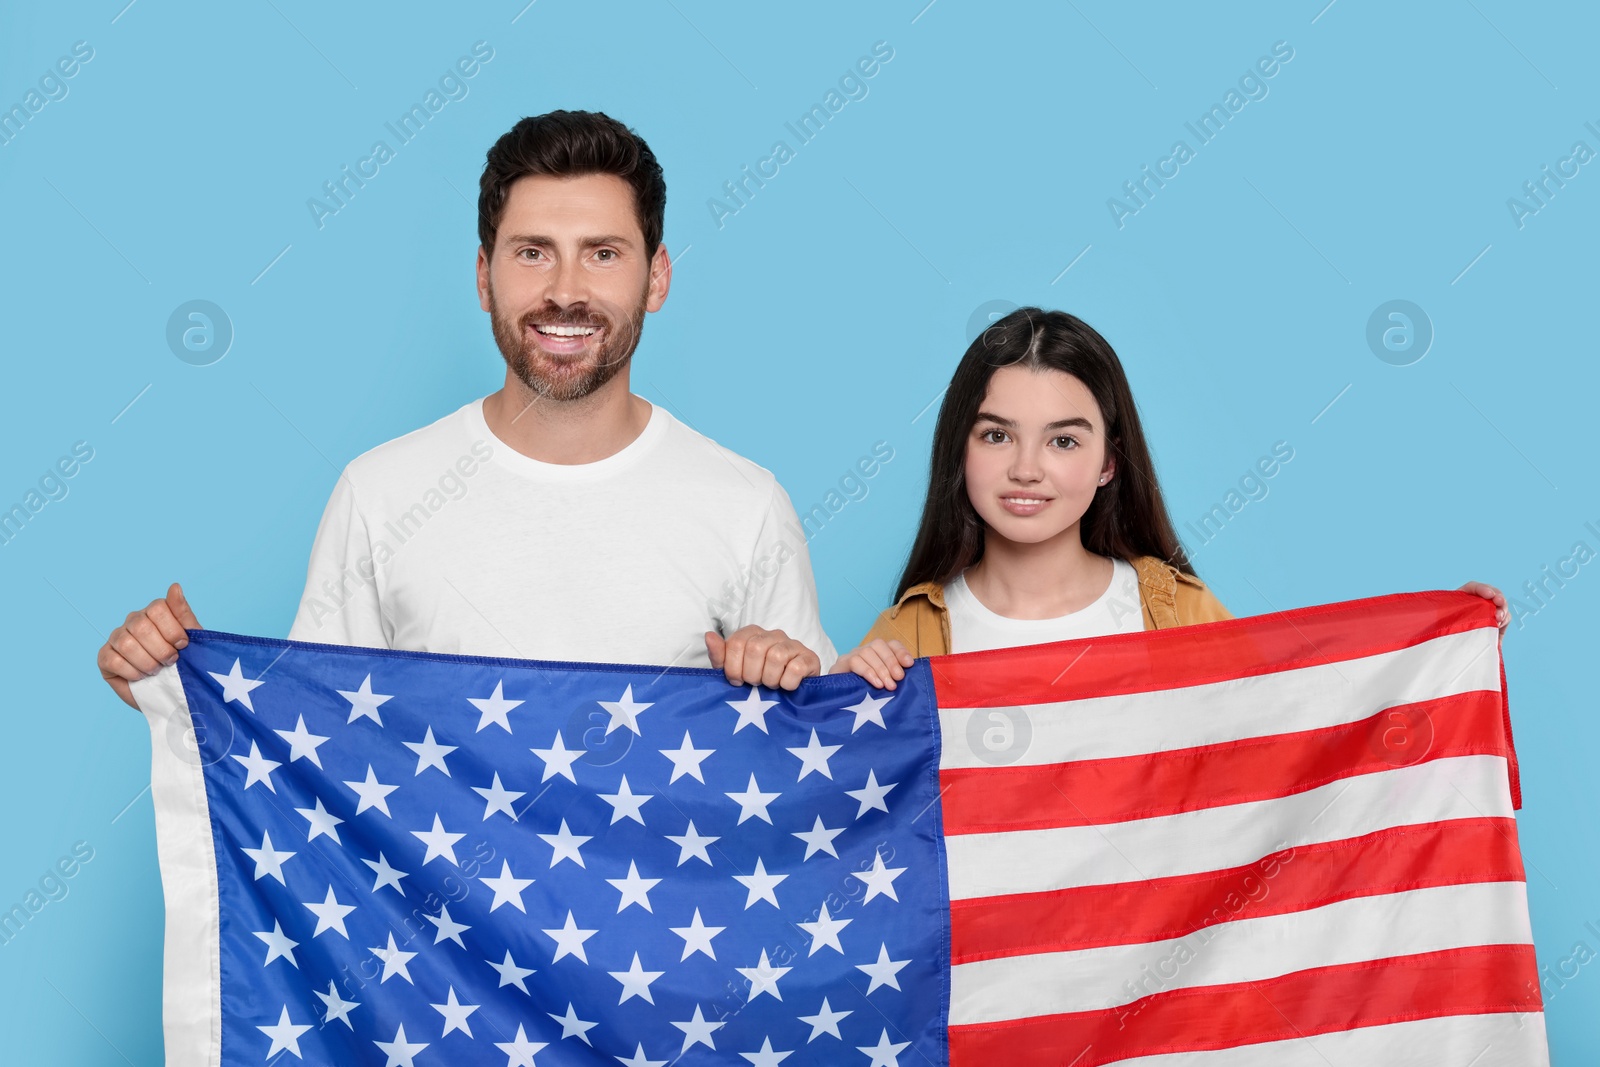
(1211, 839)
(1501, 1040)
(1246, 950)
(1306, 698)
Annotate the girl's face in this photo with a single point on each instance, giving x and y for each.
(1036, 454)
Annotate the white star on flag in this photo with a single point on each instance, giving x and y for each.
(814, 757)
(495, 708)
(753, 802)
(372, 793)
(448, 928)
(624, 711)
(440, 842)
(752, 711)
(697, 937)
(686, 759)
(565, 845)
(765, 1056)
(638, 1059)
(330, 914)
(825, 931)
(763, 977)
(394, 960)
(258, 768)
(634, 890)
(321, 822)
(338, 1007)
(235, 686)
(625, 803)
(636, 981)
(285, 1034)
(825, 1021)
(760, 885)
(399, 1052)
(455, 1013)
(510, 973)
(883, 970)
(869, 710)
(880, 879)
(498, 798)
(871, 795)
(569, 939)
(558, 759)
(520, 1052)
(364, 702)
(507, 889)
(387, 875)
(692, 845)
(268, 860)
(819, 839)
(430, 753)
(885, 1053)
(302, 743)
(697, 1031)
(278, 945)
(572, 1026)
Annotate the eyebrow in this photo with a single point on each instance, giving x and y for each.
(1059, 424)
(583, 242)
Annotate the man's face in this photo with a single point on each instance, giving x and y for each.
(568, 284)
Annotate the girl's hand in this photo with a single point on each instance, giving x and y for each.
(1502, 615)
(882, 663)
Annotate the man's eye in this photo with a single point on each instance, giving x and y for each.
(529, 251)
(607, 254)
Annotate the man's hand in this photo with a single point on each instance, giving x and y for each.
(882, 663)
(753, 656)
(1502, 615)
(146, 642)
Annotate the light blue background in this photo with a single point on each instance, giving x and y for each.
(823, 317)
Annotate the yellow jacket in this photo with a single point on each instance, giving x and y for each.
(1167, 597)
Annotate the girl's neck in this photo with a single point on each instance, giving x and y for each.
(1038, 581)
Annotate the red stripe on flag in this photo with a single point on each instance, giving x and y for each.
(1211, 652)
(1467, 981)
(1455, 852)
(1093, 792)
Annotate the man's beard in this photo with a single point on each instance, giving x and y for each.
(557, 377)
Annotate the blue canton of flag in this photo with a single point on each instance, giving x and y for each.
(405, 859)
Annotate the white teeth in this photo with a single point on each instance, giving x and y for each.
(1025, 500)
(566, 331)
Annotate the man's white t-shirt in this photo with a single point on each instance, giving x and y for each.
(974, 627)
(449, 540)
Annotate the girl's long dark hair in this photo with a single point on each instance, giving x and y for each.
(1127, 517)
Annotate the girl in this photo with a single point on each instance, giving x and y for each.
(1043, 521)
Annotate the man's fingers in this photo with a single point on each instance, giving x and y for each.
(733, 657)
(180, 607)
(132, 653)
(714, 648)
(150, 638)
(161, 617)
(777, 660)
(801, 667)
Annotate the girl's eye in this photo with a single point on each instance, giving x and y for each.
(1066, 442)
(992, 436)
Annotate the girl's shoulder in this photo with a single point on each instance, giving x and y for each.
(1173, 598)
(917, 620)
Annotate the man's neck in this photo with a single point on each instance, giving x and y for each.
(567, 432)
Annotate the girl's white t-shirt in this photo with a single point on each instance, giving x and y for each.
(974, 627)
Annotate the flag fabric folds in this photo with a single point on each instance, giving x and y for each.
(1280, 840)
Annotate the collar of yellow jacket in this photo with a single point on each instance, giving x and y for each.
(1158, 584)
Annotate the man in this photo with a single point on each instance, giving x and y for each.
(561, 517)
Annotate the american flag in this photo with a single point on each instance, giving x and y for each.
(1282, 840)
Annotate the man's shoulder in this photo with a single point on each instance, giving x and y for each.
(417, 453)
(712, 465)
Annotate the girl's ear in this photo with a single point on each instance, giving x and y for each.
(1109, 470)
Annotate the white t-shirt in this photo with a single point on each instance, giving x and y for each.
(449, 540)
(974, 627)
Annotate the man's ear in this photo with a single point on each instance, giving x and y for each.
(483, 279)
(660, 279)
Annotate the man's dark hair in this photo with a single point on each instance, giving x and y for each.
(568, 144)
